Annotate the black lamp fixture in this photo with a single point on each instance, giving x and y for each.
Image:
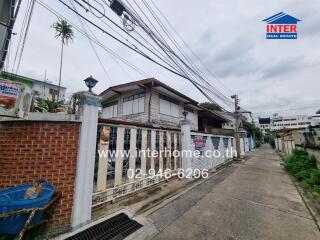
(90, 82)
(185, 113)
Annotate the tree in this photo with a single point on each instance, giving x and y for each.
(210, 106)
(63, 30)
(251, 128)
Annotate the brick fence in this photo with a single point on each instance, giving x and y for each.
(32, 150)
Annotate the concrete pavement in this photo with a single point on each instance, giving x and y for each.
(255, 200)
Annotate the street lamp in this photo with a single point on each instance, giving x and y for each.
(90, 82)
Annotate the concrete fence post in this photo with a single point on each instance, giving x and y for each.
(88, 114)
(185, 143)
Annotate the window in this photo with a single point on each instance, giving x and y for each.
(111, 110)
(133, 104)
(168, 107)
(53, 91)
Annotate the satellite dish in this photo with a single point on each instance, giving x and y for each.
(128, 22)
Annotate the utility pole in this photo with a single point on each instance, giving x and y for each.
(10, 14)
(237, 116)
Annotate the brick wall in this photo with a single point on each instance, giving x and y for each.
(31, 150)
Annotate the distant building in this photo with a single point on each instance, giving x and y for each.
(277, 123)
(264, 125)
(40, 88)
(315, 121)
(291, 122)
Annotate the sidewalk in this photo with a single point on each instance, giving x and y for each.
(255, 200)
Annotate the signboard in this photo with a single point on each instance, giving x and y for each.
(199, 142)
(9, 93)
(15, 99)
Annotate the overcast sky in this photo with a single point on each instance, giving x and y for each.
(228, 35)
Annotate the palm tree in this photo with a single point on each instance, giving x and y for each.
(65, 33)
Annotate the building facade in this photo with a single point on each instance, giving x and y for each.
(277, 123)
(42, 89)
(150, 102)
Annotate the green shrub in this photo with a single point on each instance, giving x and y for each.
(303, 167)
(314, 177)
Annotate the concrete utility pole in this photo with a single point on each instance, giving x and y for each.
(237, 116)
(8, 15)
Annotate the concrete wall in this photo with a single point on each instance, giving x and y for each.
(211, 143)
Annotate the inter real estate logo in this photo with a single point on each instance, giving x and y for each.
(281, 26)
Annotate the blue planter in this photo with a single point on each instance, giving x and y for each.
(12, 199)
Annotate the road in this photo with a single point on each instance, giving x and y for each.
(254, 200)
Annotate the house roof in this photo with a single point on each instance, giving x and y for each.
(147, 84)
(281, 18)
(211, 114)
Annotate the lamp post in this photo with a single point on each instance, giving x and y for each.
(90, 83)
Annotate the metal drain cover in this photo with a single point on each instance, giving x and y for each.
(115, 228)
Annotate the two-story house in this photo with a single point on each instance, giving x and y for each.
(149, 102)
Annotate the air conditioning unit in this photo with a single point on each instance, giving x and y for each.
(15, 99)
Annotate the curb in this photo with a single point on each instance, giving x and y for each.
(308, 203)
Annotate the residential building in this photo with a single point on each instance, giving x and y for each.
(154, 103)
(40, 88)
(231, 124)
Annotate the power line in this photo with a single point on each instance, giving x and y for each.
(25, 34)
(190, 49)
(193, 71)
(113, 54)
(92, 46)
(133, 49)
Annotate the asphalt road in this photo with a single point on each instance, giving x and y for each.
(254, 200)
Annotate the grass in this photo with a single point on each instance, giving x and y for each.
(303, 166)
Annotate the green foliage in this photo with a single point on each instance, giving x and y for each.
(270, 139)
(252, 129)
(63, 30)
(46, 105)
(303, 166)
(210, 106)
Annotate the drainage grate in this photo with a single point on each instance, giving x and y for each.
(115, 228)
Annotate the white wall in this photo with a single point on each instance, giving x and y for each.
(44, 90)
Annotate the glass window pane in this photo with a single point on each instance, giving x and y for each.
(135, 107)
(127, 108)
(141, 105)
